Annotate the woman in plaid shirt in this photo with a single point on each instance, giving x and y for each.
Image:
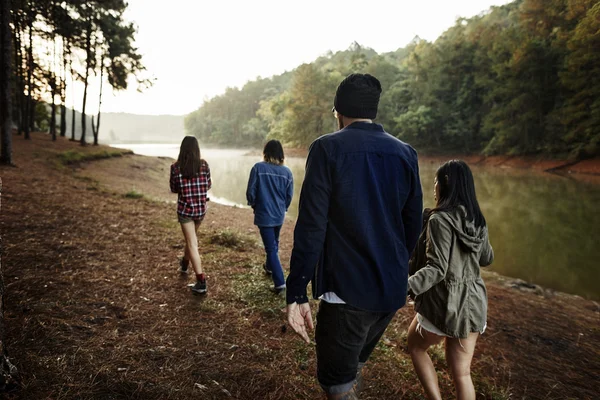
(190, 179)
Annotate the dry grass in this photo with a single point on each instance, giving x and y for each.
(133, 194)
(70, 157)
(233, 240)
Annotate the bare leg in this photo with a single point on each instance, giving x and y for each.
(417, 347)
(459, 361)
(186, 251)
(186, 255)
(191, 246)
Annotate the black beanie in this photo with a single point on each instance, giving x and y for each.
(358, 96)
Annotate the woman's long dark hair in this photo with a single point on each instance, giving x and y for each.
(273, 152)
(189, 157)
(457, 188)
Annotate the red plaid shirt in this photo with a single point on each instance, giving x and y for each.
(192, 192)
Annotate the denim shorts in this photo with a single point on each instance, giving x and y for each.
(346, 337)
(185, 220)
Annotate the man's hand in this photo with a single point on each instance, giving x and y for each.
(299, 317)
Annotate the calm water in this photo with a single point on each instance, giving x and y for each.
(544, 229)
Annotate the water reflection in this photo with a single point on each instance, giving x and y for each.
(545, 229)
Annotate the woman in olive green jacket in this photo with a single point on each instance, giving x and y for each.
(450, 296)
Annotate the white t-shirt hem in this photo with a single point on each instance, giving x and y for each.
(331, 298)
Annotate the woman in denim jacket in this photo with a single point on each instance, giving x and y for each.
(269, 193)
(450, 296)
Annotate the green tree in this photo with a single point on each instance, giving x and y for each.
(308, 112)
(418, 127)
(117, 57)
(581, 78)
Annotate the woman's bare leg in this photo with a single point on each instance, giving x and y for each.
(417, 347)
(459, 353)
(191, 246)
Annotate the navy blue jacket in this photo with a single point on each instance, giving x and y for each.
(269, 193)
(359, 219)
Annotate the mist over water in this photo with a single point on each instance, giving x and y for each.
(544, 228)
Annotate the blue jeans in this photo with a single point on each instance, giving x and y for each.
(270, 238)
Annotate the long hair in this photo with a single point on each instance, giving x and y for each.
(457, 188)
(273, 152)
(189, 157)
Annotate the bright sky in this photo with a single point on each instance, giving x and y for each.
(196, 49)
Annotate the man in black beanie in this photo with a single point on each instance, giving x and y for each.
(358, 222)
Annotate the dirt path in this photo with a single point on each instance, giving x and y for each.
(96, 310)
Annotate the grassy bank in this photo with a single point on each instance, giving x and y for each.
(95, 308)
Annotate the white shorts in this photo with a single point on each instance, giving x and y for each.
(426, 324)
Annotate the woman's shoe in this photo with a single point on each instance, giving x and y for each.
(199, 287)
(183, 266)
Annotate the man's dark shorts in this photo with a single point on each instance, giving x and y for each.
(345, 338)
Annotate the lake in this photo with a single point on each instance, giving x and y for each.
(544, 228)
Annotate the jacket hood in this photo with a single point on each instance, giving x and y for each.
(470, 236)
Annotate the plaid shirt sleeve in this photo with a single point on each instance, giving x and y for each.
(174, 179)
(208, 179)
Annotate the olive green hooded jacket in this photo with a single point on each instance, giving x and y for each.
(445, 272)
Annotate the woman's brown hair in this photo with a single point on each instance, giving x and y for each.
(273, 152)
(457, 188)
(189, 157)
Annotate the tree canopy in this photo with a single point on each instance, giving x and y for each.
(52, 40)
(523, 78)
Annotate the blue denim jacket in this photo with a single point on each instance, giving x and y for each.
(359, 219)
(269, 193)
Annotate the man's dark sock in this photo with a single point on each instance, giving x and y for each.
(200, 277)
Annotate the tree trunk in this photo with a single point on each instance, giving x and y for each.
(73, 109)
(29, 109)
(97, 128)
(18, 75)
(8, 372)
(53, 116)
(53, 87)
(5, 102)
(32, 115)
(88, 53)
(63, 119)
(63, 94)
(22, 98)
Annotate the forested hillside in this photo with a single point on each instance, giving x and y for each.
(518, 79)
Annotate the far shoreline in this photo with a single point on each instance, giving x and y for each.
(587, 170)
(590, 167)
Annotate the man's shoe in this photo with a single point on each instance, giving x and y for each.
(199, 287)
(183, 266)
(267, 270)
(358, 384)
